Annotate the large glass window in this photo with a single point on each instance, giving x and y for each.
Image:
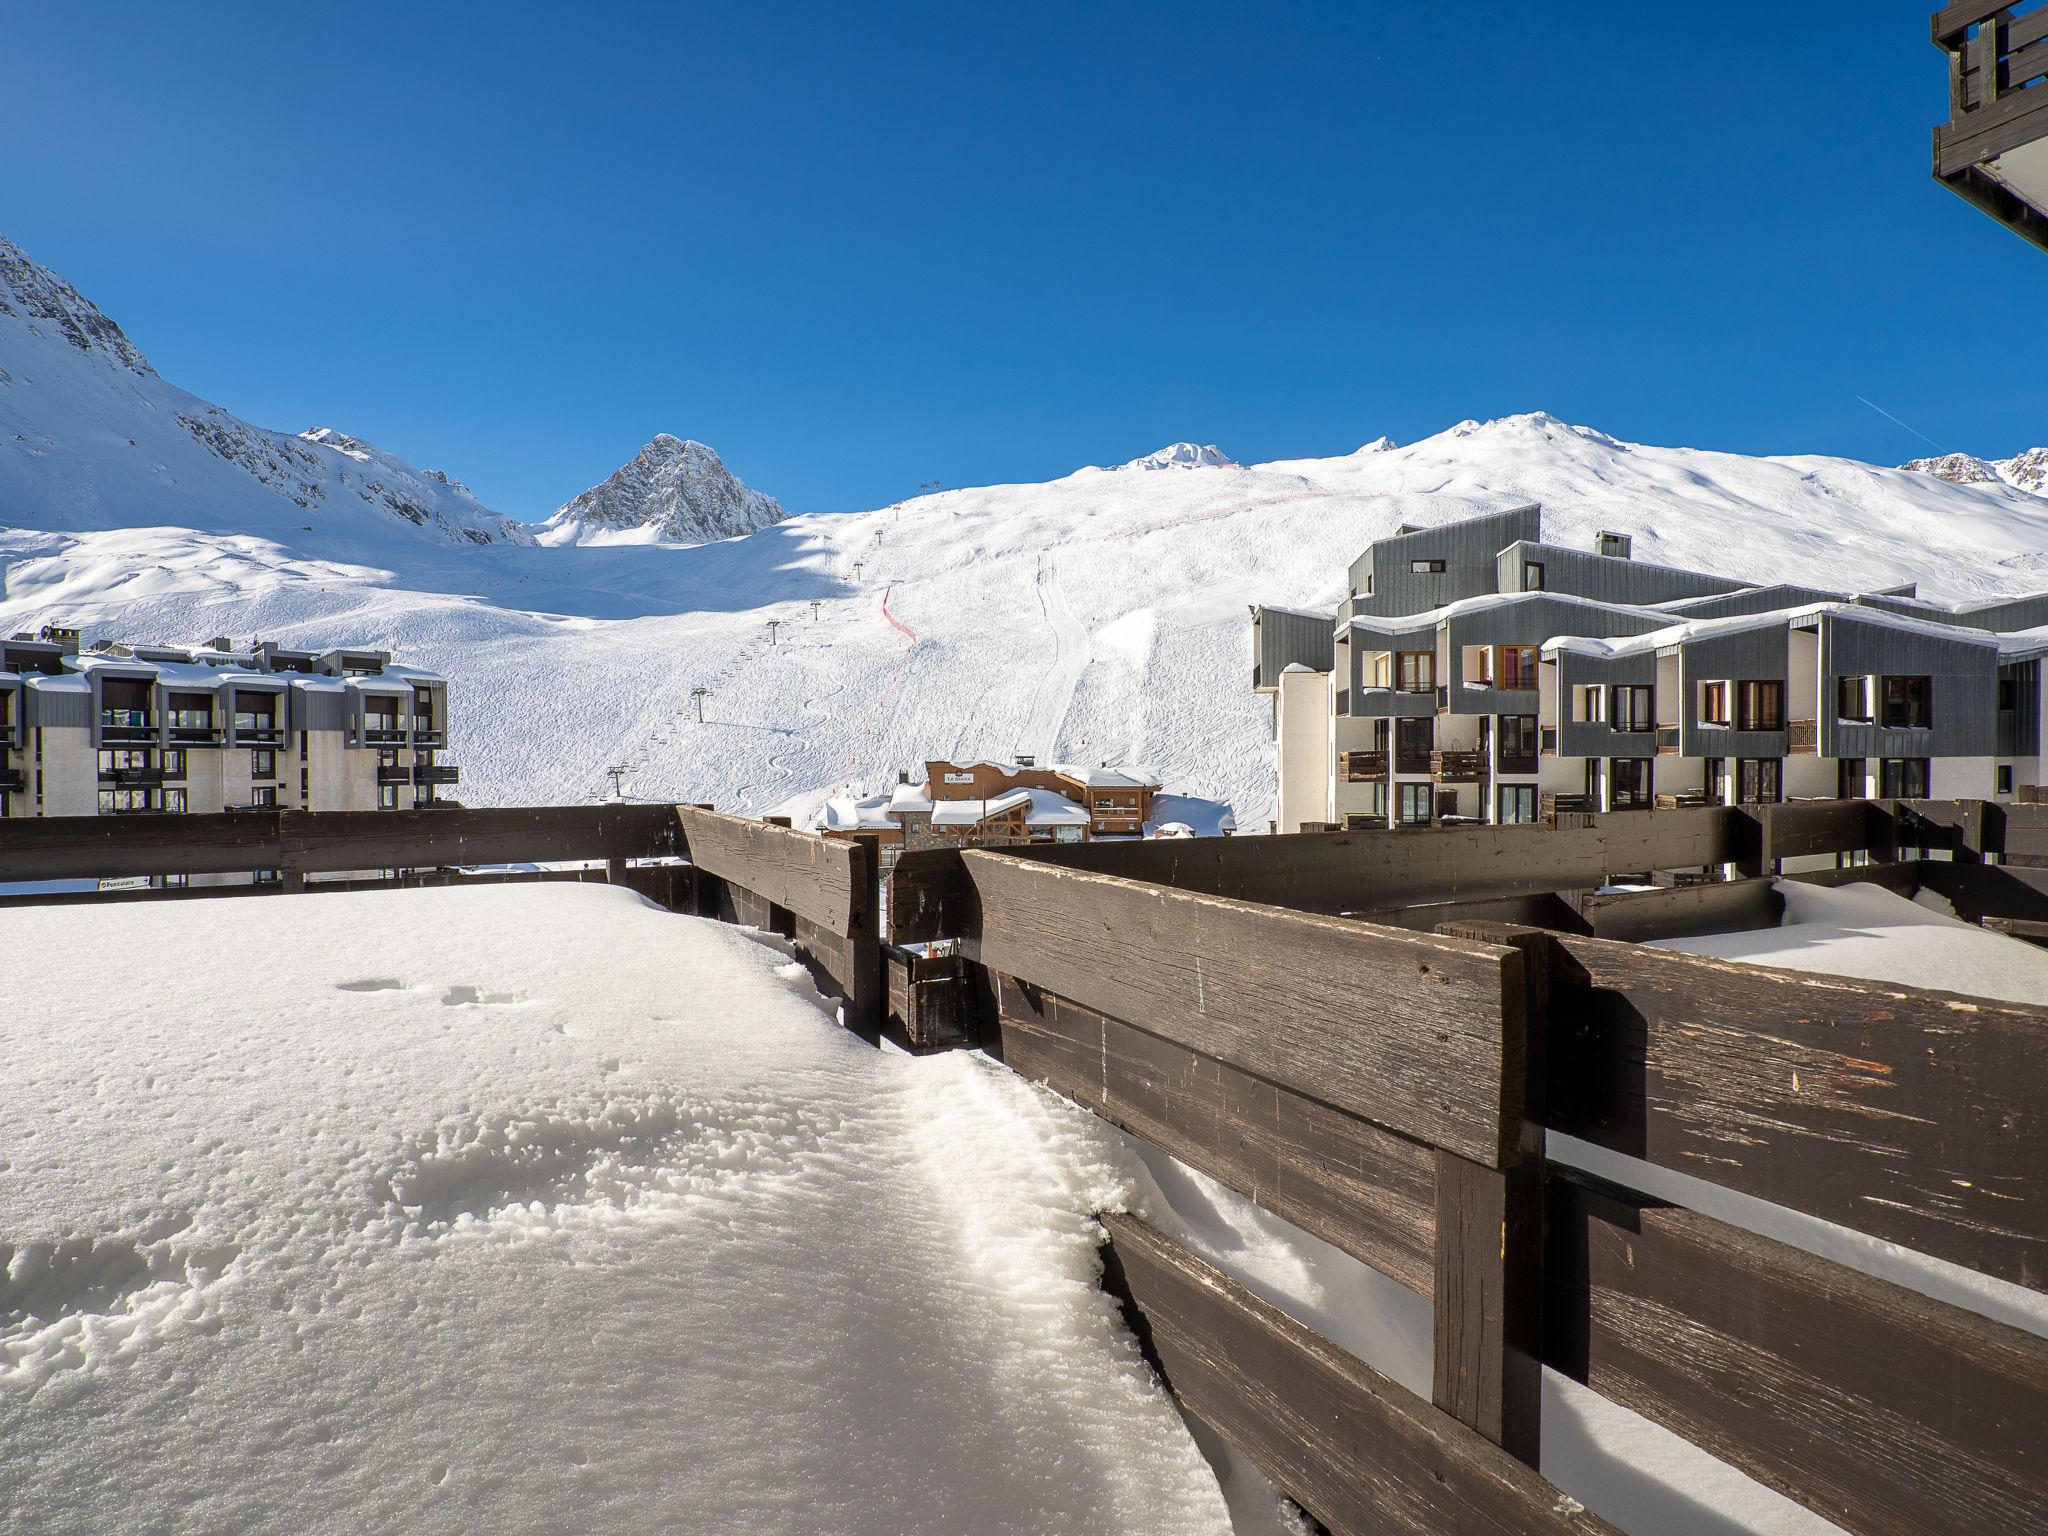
(1415, 804)
(1517, 734)
(1412, 742)
(1515, 667)
(1852, 780)
(263, 763)
(1757, 781)
(1517, 804)
(1852, 699)
(1903, 778)
(174, 800)
(1417, 672)
(1628, 780)
(1908, 702)
(1761, 706)
(1631, 711)
(1715, 780)
(1714, 703)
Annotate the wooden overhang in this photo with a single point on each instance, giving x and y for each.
(1993, 151)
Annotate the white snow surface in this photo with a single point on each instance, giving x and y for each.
(1098, 618)
(523, 1208)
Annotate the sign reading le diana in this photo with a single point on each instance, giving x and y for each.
(959, 778)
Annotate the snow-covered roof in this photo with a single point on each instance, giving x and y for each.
(1328, 616)
(1105, 778)
(909, 797)
(845, 813)
(69, 682)
(1487, 601)
(1044, 809)
(380, 685)
(1702, 629)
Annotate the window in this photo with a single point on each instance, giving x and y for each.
(1412, 742)
(1375, 797)
(1757, 781)
(1713, 703)
(1517, 804)
(174, 800)
(1907, 703)
(1426, 567)
(119, 802)
(1715, 781)
(1517, 736)
(387, 757)
(1903, 778)
(1852, 699)
(1593, 704)
(1628, 782)
(264, 795)
(1415, 805)
(1517, 667)
(174, 762)
(2004, 781)
(2008, 694)
(1532, 575)
(1631, 711)
(263, 762)
(1852, 780)
(1416, 671)
(122, 759)
(387, 797)
(1760, 706)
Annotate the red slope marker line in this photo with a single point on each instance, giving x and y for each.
(885, 695)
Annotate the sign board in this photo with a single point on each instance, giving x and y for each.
(959, 778)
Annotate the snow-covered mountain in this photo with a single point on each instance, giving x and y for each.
(2025, 471)
(92, 438)
(1182, 456)
(672, 491)
(1098, 618)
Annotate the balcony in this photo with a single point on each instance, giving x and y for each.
(1366, 767)
(393, 773)
(1683, 800)
(132, 776)
(1667, 741)
(1802, 738)
(1552, 805)
(1993, 151)
(448, 773)
(426, 733)
(383, 730)
(1412, 762)
(259, 730)
(1517, 763)
(1457, 767)
(126, 725)
(192, 727)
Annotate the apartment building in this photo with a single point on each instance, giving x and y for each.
(134, 729)
(1477, 672)
(986, 803)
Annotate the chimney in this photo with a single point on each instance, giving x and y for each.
(1618, 545)
(220, 643)
(902, 775)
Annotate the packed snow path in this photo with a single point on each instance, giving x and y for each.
(536, 1207)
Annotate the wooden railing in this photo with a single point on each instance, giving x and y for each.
(1387, 1084)
(1457, 767)
(1365, 767)
(1998, 103)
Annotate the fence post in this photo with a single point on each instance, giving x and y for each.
(1489, 1230)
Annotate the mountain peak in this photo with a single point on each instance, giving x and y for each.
(675, 490)
(40, 296)
(1183, 456)
(2026, 471)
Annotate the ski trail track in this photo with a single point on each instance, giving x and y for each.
(1055, 695)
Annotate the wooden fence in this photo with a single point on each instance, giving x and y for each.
(1346, 1031)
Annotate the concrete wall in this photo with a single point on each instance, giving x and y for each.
(1302, 741)
(70, 769)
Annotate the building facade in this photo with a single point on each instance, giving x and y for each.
(1536, 678)
(141, 730)
(991, 804)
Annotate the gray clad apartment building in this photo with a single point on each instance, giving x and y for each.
(1477, 673)
(133, 729)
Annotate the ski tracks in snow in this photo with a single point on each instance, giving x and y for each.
(1040, 727)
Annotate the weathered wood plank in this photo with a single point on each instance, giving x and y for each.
(1357, 1451)
(1886, 1412)
(814, 877)
(1358, 872)
(1677, 912)
(1802, 829)
(1363, 1189)
(1911, 1115)
(1412, 1032)
(1489, 1300)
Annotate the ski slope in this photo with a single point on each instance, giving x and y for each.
(1101, 617)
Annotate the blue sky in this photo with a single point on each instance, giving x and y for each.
(857, 248)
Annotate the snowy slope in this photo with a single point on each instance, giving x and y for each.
(1099, 617)
(91, 437)
(671, 492)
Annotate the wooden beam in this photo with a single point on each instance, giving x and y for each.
(814, 877)
(1357, 1451)
(1488, 1314)
(1911, 1115)
(1363, 1189)
(1877, 1408)
(1409, 1031)
(1683, 911)
(1358, 872)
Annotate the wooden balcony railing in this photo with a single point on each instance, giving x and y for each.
(1366, 767)
(1802, 737)
(1457, 767)
(1998, 104)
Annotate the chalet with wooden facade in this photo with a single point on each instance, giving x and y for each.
(986, 803)
(134, 729)
(1478, 673)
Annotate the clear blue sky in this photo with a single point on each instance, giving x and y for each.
(857, 247)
